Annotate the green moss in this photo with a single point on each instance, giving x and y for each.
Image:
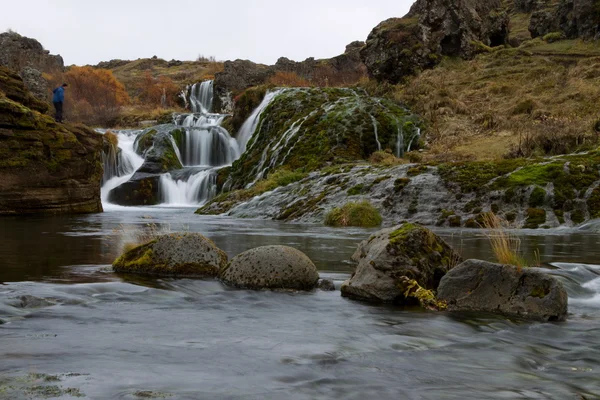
(540, 292)
(495, 208)
(356, 190)
(577, 216)
(593, 203)
(510, 216)
(400, 184)
(454, 221)
(361, 214)
(472, 205)
(471, 223)
(537, 197)
(414, 171)
(535, 218)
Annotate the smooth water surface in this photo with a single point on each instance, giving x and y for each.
(88, 331)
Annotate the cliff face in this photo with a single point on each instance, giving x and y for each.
(399, 47)
(573, 18)
(28, 57)
(45, 167)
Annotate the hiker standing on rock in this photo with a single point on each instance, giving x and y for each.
(57, 100)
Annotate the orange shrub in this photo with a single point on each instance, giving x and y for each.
(159, 91)
(94, 96)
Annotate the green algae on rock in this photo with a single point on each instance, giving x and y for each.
(392, 257)
(361, 214)
(176, 255)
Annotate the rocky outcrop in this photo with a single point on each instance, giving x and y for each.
(158, 147)
(45, 167)
(528, 193)
(28, 57)
(399, 47)
(177, 255)
(271, 267)
(482, 286)
(310, 128)
(573, 18)
(391, 255)
(140, 190)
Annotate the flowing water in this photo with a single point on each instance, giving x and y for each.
(107, 336)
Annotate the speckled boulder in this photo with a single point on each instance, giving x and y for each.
(271, 267)
(408, 250)
(523, 292)
(178, 255)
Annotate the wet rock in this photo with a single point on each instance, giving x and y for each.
(140, 190)
(271, 267)
(399, 47)
(29, 301)
(158, 147)
(482, 286)
(177, 254)
(326, 285)
(390, 255)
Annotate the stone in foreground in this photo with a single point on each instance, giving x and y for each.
(390, 255)
(271, 267)
(482, 286)
(188, 255)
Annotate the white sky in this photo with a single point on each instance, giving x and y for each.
(86, 32)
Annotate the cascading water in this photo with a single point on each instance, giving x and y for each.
(120, 168)
(250, 125)
(201, 97)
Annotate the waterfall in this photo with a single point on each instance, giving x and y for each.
(250, 125)
(127, 162)
(375, 130)
(416, 136)
(400, 143)
(197, 188)
(201, 97)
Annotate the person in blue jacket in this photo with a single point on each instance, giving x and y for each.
(57, 99)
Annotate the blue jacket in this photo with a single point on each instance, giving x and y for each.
(59, 95)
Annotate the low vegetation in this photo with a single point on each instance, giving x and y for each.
(361, 214)
(506, 246)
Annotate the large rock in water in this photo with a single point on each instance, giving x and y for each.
(45, 167)
(482, 286)
(177, 255)
(408, 250)
(271, 267)
(399, 47)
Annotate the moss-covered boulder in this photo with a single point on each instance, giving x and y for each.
(305, 129)
(45, 167)
(177, 255)
(158, 146)
(482, 286)
(361, 214)
(271, 267)
(391, 255)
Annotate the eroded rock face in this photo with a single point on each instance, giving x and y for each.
(399, 47)
(574, 18)
(28, 57)
(177, 254)
(271, 267)
(45, 167)
(407, 250)
(482, 286)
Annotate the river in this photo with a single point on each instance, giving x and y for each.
(90, 332)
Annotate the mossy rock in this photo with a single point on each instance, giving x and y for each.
(189, 255)
(535, 218)
(390, 256)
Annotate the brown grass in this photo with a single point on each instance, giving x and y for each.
(288, 79)
(506, 247)
(528, 103)
(385, 157)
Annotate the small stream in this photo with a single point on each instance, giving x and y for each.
(91, 332)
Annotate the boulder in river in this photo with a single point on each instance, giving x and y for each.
(271, 267)
(391, 255)
(483, 286)
(176, 254)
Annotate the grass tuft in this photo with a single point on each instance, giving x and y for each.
(505, 246)
(361, 214)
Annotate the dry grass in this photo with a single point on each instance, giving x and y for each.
(526, 102)
(506, 247)
(288, 79)
(386, 158)
(134, 236)
(112, 138)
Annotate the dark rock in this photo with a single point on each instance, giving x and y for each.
(388, 256)
(29, 301)
(45, 167)
(35, 82)
(271, 267)
(525, 6)
(399, 47)
(157, 146)
(482, 286)
(177, 254)
(574, 18)
(326, 285)
(140, 190)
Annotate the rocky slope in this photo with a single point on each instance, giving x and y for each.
(45, 167)
(542, 193)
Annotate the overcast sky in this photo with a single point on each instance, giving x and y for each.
(86, 32)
